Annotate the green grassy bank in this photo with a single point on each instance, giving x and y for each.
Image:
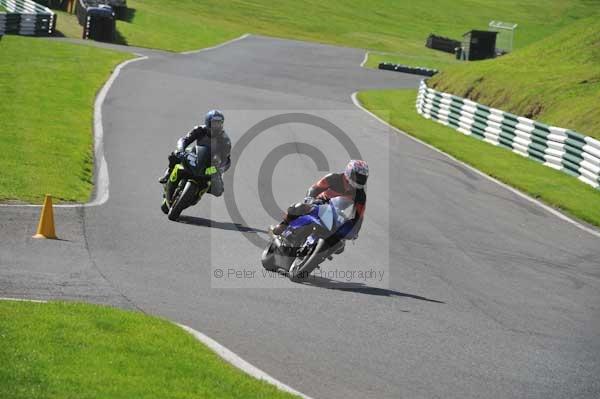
(46, 136)
(72, 350)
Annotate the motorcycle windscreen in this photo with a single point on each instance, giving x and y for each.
(343, 208)
(197, 160)
(326, 215)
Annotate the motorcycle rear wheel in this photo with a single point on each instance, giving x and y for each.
(268, 257)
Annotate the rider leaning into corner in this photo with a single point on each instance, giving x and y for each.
(211, 135)
(350, 183)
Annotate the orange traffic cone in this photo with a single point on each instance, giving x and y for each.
(46, 226)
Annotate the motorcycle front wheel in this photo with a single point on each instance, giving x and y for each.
(187, 196)
(302, 267)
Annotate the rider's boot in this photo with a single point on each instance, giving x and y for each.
(164, 207)
(341, 245)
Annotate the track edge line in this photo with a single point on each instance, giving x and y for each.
(364, 61)
(233, 359)
(245, 35)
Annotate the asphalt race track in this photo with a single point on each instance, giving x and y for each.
(470, 290)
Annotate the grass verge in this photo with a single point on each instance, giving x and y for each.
(74, 350)
(553, 187)
(46, 138)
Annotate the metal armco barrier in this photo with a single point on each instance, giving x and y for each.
(558, 148)
(25, 17)
(388, 66)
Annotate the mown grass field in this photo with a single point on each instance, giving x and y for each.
(553, 187)
(386, 25)
(46, 137)
(72, 350)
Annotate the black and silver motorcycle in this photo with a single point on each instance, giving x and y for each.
(310, 239)
(189, 181)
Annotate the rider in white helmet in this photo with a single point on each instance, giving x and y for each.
(350, 183)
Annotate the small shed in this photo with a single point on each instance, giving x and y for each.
(479, 45)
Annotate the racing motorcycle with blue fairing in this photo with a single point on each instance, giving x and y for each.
(310, 239)
(189, 181)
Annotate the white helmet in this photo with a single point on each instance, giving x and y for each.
(357, 172)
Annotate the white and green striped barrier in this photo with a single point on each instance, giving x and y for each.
(558, 148)
(26, 17)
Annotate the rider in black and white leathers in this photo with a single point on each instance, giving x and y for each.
(211, 135)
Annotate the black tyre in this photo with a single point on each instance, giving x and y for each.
(187, 196)
(303, 267)
(268, 257)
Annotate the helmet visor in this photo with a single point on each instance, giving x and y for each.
(360, 179)
(216, 124)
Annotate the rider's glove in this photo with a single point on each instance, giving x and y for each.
(173, 159)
